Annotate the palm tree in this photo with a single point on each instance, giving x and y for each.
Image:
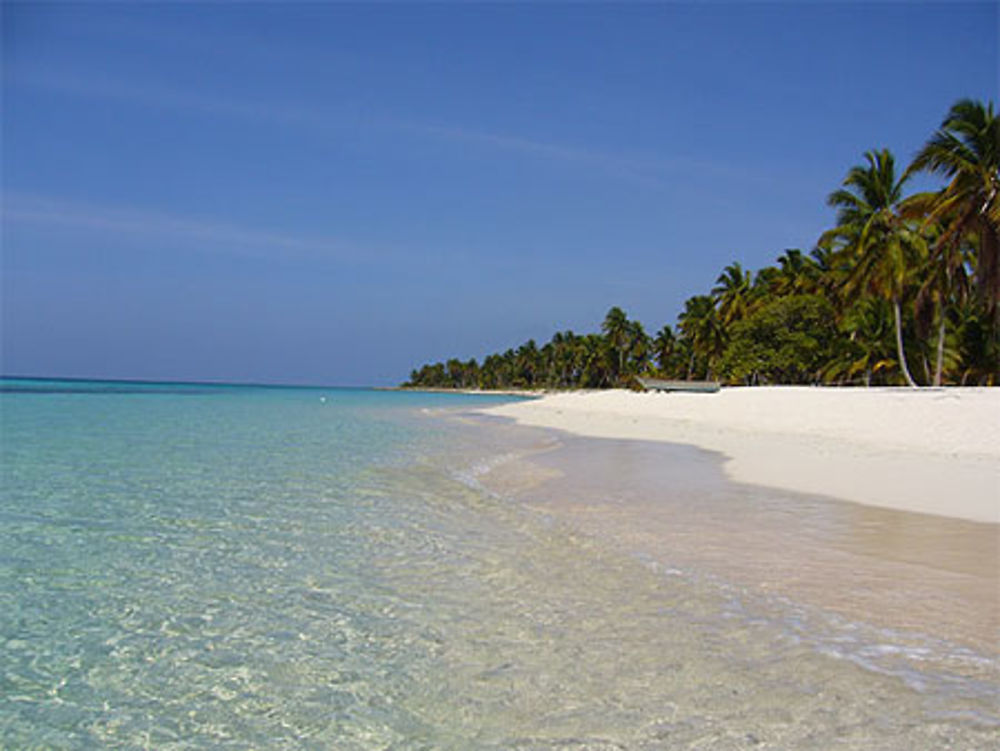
(732, 293)
(638, 349)
(831, 271)
(765, 285)
(490, 374)
(664, 346)
(592, 360)
(797, 273)
(868, 349)
(527, 363)
(700, 324)
(559, 357)
(945, 286)
(882, 246)
(966, 151)
(977, 350)
(616, 329)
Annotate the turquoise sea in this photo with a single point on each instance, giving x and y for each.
(188, 566)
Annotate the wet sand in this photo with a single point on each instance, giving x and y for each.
(876, 505)
(916, 573)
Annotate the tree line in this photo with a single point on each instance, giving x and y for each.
(903, 289)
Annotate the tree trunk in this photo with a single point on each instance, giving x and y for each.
(988, 270)
(899, 344)
(939, 365)
(988, 277)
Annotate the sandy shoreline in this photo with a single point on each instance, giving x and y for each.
(927, 451)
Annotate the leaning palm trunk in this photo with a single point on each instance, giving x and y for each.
(899, 344)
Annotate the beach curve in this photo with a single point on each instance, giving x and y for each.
(932, 451)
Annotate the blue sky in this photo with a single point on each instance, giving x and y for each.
(334, 194)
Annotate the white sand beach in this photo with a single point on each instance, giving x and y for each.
(934, 451)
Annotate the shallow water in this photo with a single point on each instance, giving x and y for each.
(240, 568)
(910, 596)
(929, 573)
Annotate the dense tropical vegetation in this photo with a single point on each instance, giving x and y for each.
(903, 289)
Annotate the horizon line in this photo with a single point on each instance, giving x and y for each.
(184, 382)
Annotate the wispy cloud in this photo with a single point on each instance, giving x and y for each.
(204, 235)
(164, 97)
(631, 168)
(651, 171)
(645, 170)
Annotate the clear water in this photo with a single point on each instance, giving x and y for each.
(189, 566)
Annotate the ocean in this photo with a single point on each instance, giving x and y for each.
(187, 566)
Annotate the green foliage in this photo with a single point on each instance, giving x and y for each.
(566, 361)
(966, 152)
(978, 351)
(897, 279)
(882, 247)
(787, 341)
(705, 331)
(732, 292)
(665, 350)
(866, 353)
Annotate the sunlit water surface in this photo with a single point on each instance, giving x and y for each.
(234, 567)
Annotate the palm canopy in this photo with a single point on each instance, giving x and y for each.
(700, 325)
(966, 152)
(616, 329)
(732, 290)
(870, 230)
(664, 345)
(615, 326)
(866, 191)
(882, 247)
(799, 273)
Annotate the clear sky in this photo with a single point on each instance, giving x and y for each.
(334, 194)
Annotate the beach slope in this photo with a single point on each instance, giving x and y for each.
(934, 451)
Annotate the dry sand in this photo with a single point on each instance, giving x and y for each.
(934, 451)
